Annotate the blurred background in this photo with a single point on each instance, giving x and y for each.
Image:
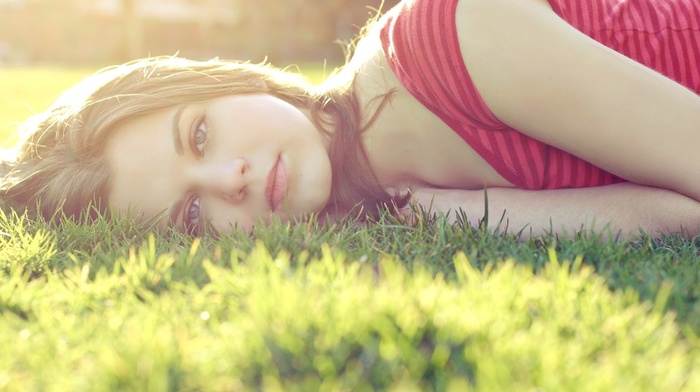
(95, 32)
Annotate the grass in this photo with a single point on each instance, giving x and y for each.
(114, 306)
(25, 91)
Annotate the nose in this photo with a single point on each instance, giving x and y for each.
(225, 179)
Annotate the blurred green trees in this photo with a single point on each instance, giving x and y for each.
(108, 31)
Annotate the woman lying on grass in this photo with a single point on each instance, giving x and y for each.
(572, 113)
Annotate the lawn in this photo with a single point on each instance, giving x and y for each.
(24, 92)
(114, 306)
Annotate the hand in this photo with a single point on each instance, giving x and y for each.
(453, 203)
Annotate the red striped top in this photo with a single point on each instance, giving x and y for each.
(419, 39)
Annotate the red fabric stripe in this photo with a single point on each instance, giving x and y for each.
(420, 41)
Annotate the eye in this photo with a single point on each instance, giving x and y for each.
(192, 214)
(200, 135)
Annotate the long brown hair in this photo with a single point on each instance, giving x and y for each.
(60, 165)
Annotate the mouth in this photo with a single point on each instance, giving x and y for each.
(276, 186)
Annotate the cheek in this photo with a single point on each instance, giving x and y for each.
(223, 215)
(314, 183)
(224, 223)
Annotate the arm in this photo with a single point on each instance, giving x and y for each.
(546, 79)
(625, 207)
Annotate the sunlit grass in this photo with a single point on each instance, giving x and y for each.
(25, 91)
(259, 321)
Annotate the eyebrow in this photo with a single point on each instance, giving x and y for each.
(176, 130)
(177, 142)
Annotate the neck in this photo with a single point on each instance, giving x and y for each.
(388, 138)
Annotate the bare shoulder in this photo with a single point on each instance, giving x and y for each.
(407, 143)
(548, 80)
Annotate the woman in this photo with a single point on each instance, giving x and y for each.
(573, 114)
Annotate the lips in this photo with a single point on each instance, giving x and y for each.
(276, 186)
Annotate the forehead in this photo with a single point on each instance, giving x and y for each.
(142, 158)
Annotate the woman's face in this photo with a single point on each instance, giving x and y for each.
(233, 161)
